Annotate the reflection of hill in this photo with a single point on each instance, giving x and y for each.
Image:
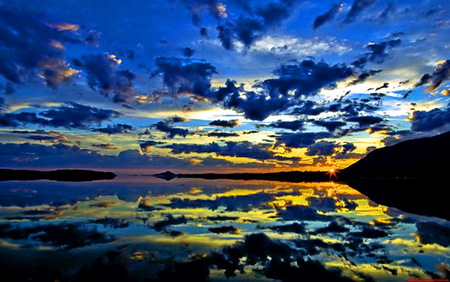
(414, 196)
(74, 175)
(419, 158)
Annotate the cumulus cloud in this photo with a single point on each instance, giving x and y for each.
(31, 47)
(71, 115)
(430, 120)
(103, 76)
(306, 78)
(171, 131)
(185, 75)
(327, 16)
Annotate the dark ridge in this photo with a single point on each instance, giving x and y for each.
(72, 175)
(423, 158)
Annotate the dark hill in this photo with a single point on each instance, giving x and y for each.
(411, 175)
(423, 158)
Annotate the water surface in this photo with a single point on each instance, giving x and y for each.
(142, 229)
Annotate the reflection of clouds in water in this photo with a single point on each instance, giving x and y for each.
(170, 224)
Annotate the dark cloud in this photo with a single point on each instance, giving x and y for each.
(185, 75)
(300, 140)
(378, 52)
(62, 155)
(32, 47)
(231, 149)
(385, 85)
(292, 125)
(47, 138)
(365, 121)
(71, 115)
(439, 75)
(277, 95)
(115, 129)
(225, 123)
(171, 131)
(188, 52)
(346, 151)
(295, 227)
(331, 126)
(322, 148)
(427, 121)
(253, 23)
(175, 119)
(103, 76)
(355, 10)
(147, 145)
(328, 16)
(363, 77)
(220, 134)
(244, 149)
(306, 78)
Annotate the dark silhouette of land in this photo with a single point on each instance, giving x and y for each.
(73, 175)
(286, 176)
(409, 175)
(423, 158)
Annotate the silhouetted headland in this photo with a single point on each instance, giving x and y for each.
(72, 175)
(423, 158)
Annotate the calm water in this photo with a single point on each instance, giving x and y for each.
(144, 229)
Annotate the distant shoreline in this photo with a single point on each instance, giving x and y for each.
(69, 175)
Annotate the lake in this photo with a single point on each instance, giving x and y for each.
(137, 228)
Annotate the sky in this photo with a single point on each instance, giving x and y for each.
(218, 85)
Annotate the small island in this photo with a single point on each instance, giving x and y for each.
(71, 175)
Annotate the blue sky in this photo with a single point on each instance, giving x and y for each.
(206, 84)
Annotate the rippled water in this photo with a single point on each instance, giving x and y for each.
(144, 229)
